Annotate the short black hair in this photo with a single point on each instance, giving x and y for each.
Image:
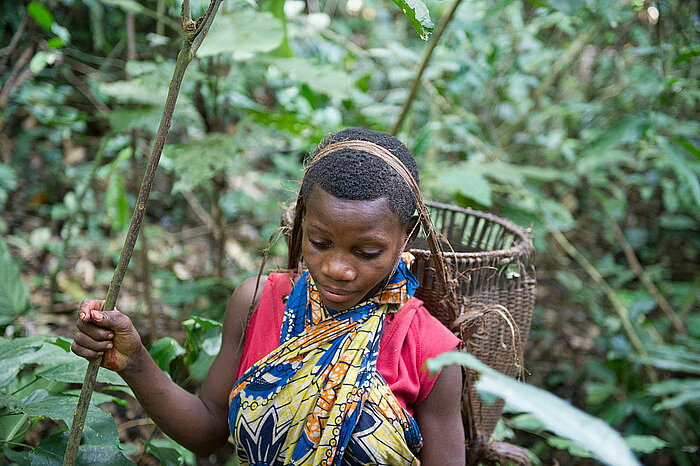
(357, 175)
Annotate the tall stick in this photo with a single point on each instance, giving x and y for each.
(424, 64)
(194, 35)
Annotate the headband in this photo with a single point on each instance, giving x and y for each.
(376, 150)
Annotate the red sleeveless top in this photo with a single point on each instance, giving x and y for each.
(411, 336)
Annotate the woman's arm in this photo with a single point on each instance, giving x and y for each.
(440, 420)
(200, 423)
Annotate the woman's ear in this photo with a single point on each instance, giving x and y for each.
(411, 230)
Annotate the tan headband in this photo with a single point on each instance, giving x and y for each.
(376, 150)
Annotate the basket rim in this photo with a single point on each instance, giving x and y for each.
(522, 244)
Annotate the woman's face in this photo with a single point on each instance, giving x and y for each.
(349, 246)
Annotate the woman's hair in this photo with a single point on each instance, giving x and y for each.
(353, 174)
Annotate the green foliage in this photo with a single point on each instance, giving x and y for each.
(562, 116)
(33, 381)
(418, 15)
(14, 297)
(555, 414)
(243, 34)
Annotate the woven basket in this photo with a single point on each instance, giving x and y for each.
(492, 261)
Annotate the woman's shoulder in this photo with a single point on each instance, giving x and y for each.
(426, 327)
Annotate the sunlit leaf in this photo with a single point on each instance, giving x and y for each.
(242, 33)
(557, 415)
(418, 15)
(324, 79)
(644, 443)
(465, 180)
(14, 296)
(41, 15)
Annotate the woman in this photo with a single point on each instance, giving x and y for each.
(332, 367)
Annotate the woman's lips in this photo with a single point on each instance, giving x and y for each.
(337, 296)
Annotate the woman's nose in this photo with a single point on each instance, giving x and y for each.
(338, 268)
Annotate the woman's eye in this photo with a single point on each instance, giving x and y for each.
(368, 254)
(318, 244)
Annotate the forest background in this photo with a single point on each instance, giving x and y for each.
(577, 119)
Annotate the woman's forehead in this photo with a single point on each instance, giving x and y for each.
(326, 212)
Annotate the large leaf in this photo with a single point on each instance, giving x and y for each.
(195, 162)
(14, 297)
(418, 15)
(164, 351)
(100, 429)
(323, 79)
(51, 451)
(465, 180)
(15, 354)
(242, 34)
(556, 414)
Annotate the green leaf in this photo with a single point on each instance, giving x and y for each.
(418, 15)
(169, 452)
(242, 34)
(683, 169)
(15, 354)
(41, 15)
(507, 173)
(690, 147)
(626, 130)
(145, 119)
(73, 371)
(197, 328)
(568, 445)
(569, 7)
(557, 216)
(8, 183)
(195, 162)
(324, 79)
(463, 179)
(51, 450)
(644, 443)
(14, 296)
(164, 351)
(115, 200)
(557, 415)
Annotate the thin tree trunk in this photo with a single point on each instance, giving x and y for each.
(194, 35)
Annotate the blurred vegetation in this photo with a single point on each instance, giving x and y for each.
(576, 118)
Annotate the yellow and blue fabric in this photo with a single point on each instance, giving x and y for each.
(318, 399)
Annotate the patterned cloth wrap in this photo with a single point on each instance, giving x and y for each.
(318, 399)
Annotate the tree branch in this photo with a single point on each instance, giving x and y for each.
(644, 278)
(423, 65)
(183, 60)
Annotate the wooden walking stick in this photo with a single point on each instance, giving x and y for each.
(194, 31)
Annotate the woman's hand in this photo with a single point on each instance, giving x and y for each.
(106, 333)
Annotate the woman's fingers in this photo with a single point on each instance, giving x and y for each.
(86, 341)
(113, 320)
(84, 352)
(95, 331)
(89, 305)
